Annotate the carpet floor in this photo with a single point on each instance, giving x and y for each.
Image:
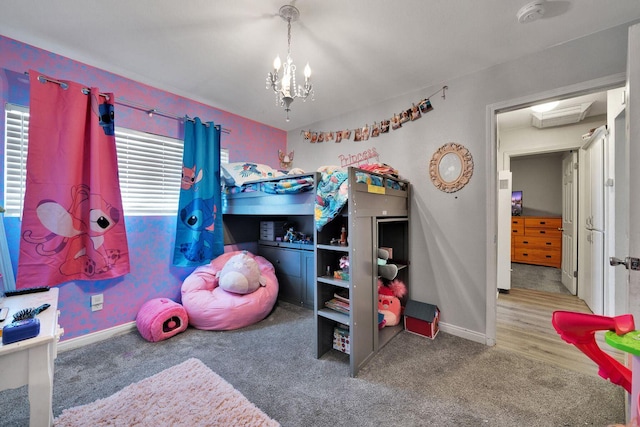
(412, 381)
(537, 278)
(188, 394)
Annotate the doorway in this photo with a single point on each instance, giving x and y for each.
(541, 152)
(506, 150)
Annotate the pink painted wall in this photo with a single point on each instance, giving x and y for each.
(150, 238)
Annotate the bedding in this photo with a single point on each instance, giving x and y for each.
(239, 173)
(288, 185)
(332, 191)
(331, 196)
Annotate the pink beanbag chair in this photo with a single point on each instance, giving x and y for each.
(212, 308)
(161, 318)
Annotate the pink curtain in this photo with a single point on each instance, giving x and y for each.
(73, 224)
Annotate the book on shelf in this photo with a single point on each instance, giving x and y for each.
(342, 296)
(337, 305)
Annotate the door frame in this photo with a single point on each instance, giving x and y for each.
(491, 157)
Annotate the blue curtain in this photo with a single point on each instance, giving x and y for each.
(199, 234)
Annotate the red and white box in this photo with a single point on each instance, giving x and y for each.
(422, 319)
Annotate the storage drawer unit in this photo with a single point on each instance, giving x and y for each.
(293, 264)
(269, 230)
(538, 241)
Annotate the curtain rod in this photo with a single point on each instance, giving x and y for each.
(149, 110)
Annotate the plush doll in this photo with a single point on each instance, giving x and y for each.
(240, 275)
(385, 270)
(389, 301)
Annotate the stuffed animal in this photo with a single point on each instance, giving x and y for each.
(241, 275)
(389, 301)
(386, 270)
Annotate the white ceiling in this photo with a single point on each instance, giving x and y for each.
(521, 118)
(361, 52)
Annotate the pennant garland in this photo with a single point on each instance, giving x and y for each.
(363, 133)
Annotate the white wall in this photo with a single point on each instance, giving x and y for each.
(449, 236)
(516, 142)
(540, 179)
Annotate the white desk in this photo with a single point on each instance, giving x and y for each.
(30, 361)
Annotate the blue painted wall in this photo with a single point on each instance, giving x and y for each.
(150, 238)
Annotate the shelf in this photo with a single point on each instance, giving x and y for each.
(373, 218)
(334, 315)
(388, 332)
(333, 248)
(335, 282)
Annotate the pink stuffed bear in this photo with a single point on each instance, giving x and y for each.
(389, 301)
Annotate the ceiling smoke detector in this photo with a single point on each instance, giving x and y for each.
(531, 12)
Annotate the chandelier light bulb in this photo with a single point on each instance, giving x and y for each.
(307, 71)
(277, 63)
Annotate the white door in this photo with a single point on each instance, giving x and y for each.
(594, 298)
(633, 147)
(570, 221)
(504, 230)
(597, 183)
(617, 292)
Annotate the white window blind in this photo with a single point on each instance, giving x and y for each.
(150, 169)
(149, 166)
(16, 119)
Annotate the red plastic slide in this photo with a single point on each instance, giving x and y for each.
(579, 329)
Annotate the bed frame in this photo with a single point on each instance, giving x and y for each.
(261, 203)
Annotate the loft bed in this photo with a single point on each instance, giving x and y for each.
(284, 195)
(322, 194)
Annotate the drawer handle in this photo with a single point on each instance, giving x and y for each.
(515, 231)
(525, 254)
(548, 243)
(547, 256)
(542, 222)
(526, 242)
(542, 232)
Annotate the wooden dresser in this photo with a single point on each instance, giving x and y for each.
(536, 240)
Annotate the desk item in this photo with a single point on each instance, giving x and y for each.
(26, 291)
(3, 313)
(20, 330)
(30, 361)
(29, 313)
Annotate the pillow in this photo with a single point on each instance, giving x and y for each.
(295, 171)
(237, 174)
(328, 168)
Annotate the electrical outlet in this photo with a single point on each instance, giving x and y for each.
(96, 302)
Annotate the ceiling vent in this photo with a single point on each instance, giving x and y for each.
(561, 116)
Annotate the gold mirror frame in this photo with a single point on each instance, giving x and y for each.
(451, 167)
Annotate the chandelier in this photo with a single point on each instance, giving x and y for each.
(285, 88)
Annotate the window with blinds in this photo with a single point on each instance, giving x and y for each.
(149, 166)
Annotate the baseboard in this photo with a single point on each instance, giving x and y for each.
(95, 337)
(463, 333)
(128, 327)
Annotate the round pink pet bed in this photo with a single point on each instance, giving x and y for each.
(161, 318)
(211, 307)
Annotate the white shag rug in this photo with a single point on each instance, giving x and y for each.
(188, 394)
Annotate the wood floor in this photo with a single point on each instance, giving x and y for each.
(524, 326)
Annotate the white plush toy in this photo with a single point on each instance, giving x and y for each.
(241, 275)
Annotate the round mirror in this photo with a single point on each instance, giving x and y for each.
(451, 167)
